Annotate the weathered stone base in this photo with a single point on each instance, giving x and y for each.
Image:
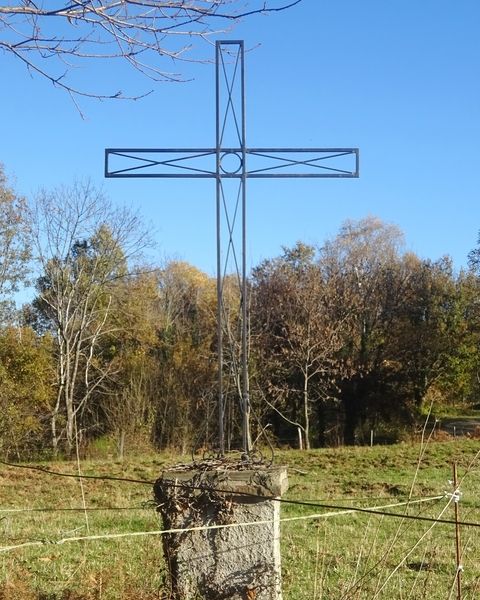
(237, 562)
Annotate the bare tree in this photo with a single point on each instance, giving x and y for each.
(14, 244)
(299, 333)
(51, 38)
(364, 258)
(83, 246)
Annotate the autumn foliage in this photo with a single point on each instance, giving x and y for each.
(353, 335)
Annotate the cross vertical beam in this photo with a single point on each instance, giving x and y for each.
(231, 163)
(231, 132)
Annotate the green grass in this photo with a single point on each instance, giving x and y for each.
(349, 556)
(359, 556)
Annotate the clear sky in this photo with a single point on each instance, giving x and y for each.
(397, 78)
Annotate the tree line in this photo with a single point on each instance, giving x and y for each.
(348, 336)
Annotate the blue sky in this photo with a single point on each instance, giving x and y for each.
(397, 78)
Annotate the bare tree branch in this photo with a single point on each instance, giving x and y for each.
(52, 38)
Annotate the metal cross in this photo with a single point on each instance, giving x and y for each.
(231, 163)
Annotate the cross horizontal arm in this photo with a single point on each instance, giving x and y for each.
(228, 162)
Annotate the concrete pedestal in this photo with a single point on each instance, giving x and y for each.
(238, 562)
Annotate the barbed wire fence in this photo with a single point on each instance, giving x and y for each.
(445, 500)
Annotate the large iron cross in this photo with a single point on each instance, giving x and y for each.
(231, 163)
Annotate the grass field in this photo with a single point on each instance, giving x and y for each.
(347, 556)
